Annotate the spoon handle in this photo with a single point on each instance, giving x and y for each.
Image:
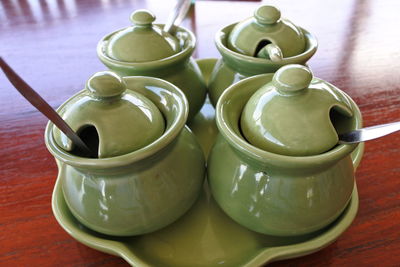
(271, 51)
(369, 133)
(39, 103)
(180, 10)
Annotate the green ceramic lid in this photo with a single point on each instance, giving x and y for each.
(143, 41)
(251, 36)
(295, 114)
(110, 118)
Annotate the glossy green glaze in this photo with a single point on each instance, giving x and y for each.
(141, 191)
(205, 236)
(271, 193)
(291, 115)
(143, 41)
(233, 66)
(119, 117)
(266, 27)
(178, 68)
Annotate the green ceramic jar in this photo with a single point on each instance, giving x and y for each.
(244, 48)
(144, 49)
(274, 193)
(150, 168)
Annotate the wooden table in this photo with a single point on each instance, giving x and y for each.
(51, 43)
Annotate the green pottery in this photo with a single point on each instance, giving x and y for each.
(243, 47)
(250, 36)
(141, 182)
(205, 235)
(144, 49)
(143, 41)
(115, 116)
(272, 193)
(294, 100)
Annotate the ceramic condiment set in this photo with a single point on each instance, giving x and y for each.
(275, 168)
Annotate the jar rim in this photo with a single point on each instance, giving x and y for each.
(153, 88)
(261, 64)
(239, 143)
(184, 54)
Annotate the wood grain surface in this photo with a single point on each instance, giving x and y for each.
(51, 43)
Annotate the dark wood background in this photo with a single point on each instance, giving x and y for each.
(51, 43)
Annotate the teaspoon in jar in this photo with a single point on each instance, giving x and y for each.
(369, 133)
(40, 104)
(180, 10)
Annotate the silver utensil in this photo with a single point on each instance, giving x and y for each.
(176, 17)
(369, 133)
(40, 104)
(271, 51)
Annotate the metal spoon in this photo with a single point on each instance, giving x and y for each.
(180, 10)
(271, 51)
(369, 133)
(39, 103)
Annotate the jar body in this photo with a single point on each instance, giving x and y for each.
(275, 200)
(139, 197)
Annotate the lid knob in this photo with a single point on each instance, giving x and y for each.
(292, 78)
(105, 84)
(267, 14)
(142, 17)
